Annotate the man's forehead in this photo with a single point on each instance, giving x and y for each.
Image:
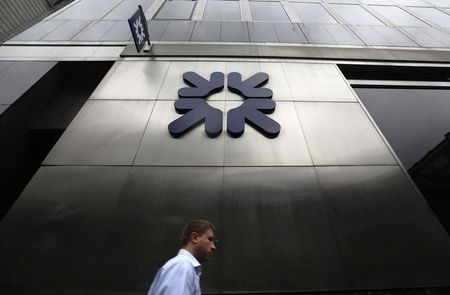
(210, 232)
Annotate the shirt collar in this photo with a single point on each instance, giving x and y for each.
(191, 258)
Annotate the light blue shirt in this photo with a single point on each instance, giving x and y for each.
(179, 276)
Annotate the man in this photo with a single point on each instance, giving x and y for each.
(181, 274)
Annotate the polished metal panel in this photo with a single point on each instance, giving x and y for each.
(222, 10)
(313, 13)
(424, 120)
(440, 3)
(156, 29)
(317, 82)
(289, 33)
(66, 31)
(194, 148)
(4, 65)
(428, 37)
(254, 149)
(245, 10)
(84, 10)
(94, 32)
(38, 31)
(343, 35)
(398, 16)
(432, 14)
(176, 10)
(132, 80)
(262, 32)
(378, 2)
(206, 31)
(146, 226)
(106, 53)
(178, 31)
(125, 9)
(421, 3)
(3, 108)
(234, 32)
(199, 10)
(275, 232)
(19, 77)
(318, 34)
(104, 132)
(387, 234)
(277, 80)
(174, 78)
(342, 134)
(382, 36)
(54, 234)
(355, 15)
(268, 11)
(119, 32)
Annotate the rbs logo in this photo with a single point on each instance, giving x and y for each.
(257, 103)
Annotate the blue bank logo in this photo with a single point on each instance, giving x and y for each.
(257, 103)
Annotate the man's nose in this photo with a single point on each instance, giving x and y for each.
(213, 247)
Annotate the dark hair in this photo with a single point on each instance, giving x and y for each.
(199, 226)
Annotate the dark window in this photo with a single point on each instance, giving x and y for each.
(268, 11)
(222, 10)
(416, 123)
(176, 10)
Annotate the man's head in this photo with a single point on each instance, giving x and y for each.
(198, 239)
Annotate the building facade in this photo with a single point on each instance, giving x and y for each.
(336, 183)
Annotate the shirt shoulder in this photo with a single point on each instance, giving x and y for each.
(178, 263)
(176, 277)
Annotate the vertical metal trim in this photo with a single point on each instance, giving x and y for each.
(246, 14)
(199, 10)
(291, 12)
(154, 8)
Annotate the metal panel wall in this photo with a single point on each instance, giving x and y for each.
(323, 206)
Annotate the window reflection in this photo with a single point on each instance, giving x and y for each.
(416, 123)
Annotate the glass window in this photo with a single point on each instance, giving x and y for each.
(176, 10)
(222, 10)
(378, 2)
(398, 16)
(416, 123)
(83, 10)
(440, 3)
(268, 11)
(412, 2)
(125, 9)
(313, 13)
(433, 15)
(355, 15)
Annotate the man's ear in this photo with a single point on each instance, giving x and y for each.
(194, 237)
